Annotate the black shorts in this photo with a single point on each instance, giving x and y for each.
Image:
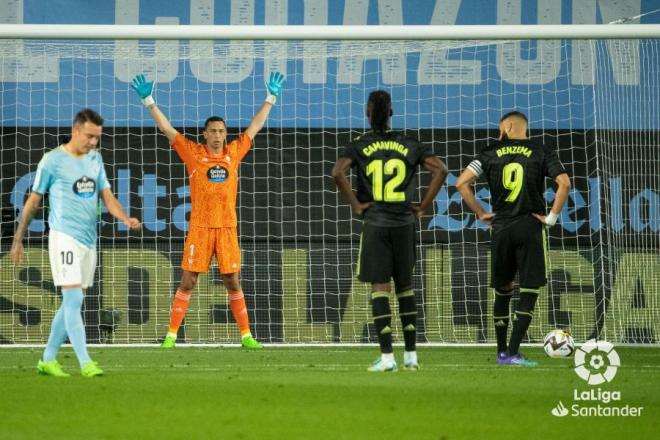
(519, 247)
(387, 253)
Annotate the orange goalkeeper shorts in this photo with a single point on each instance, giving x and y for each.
(203, 243)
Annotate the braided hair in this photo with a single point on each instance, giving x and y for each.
(379, 110)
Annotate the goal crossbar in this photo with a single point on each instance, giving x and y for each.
(330, 32)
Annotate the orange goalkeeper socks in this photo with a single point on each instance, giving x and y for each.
(179, 309)
(239, 310)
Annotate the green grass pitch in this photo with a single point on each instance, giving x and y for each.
(316, 393)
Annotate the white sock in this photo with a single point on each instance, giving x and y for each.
(387, 358)
(246, 335)
(409, 357)
(171, 335)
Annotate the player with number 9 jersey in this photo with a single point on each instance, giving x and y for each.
(515, 168)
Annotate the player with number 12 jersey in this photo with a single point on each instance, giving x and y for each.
(386, 165)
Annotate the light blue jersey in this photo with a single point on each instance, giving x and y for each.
(74, 184)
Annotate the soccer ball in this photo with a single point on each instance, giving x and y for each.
(558, 344)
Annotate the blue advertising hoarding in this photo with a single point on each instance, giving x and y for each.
(558, 83)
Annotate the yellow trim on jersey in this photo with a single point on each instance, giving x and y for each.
(382, 316)
(504, 294)
(405, 293)
(379, 294)
(544, 237)
(359, 261)
(534, 291)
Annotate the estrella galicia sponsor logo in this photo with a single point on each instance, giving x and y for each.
(84, 187)
(217, 174)
(596, 362)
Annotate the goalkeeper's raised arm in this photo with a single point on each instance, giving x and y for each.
(274, 87)
(144, 89)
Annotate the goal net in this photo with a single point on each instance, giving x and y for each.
(595, 101)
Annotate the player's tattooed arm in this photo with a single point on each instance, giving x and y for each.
(28, 213)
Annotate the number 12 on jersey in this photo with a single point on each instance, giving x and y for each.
(393, 167)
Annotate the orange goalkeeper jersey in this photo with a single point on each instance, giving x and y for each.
(213, 180)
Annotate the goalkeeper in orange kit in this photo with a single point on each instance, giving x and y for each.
(213, 172)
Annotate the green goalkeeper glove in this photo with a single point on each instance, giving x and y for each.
(274, 85)
(143, 89)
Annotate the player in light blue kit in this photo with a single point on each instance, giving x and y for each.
(74, 176)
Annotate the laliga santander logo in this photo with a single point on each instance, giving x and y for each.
(602, 359)
(596, 362)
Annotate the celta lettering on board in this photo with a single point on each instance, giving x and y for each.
(642, 206)
(444, 67)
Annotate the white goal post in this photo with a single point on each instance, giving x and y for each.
(329, 32)
(590, 91)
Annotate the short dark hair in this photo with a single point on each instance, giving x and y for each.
(87, 115)
(213, 119)
(516, 114)
(379, 109)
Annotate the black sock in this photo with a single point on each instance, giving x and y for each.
(380, 306)
(523, 317)
(408, 314)
(501, 317)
